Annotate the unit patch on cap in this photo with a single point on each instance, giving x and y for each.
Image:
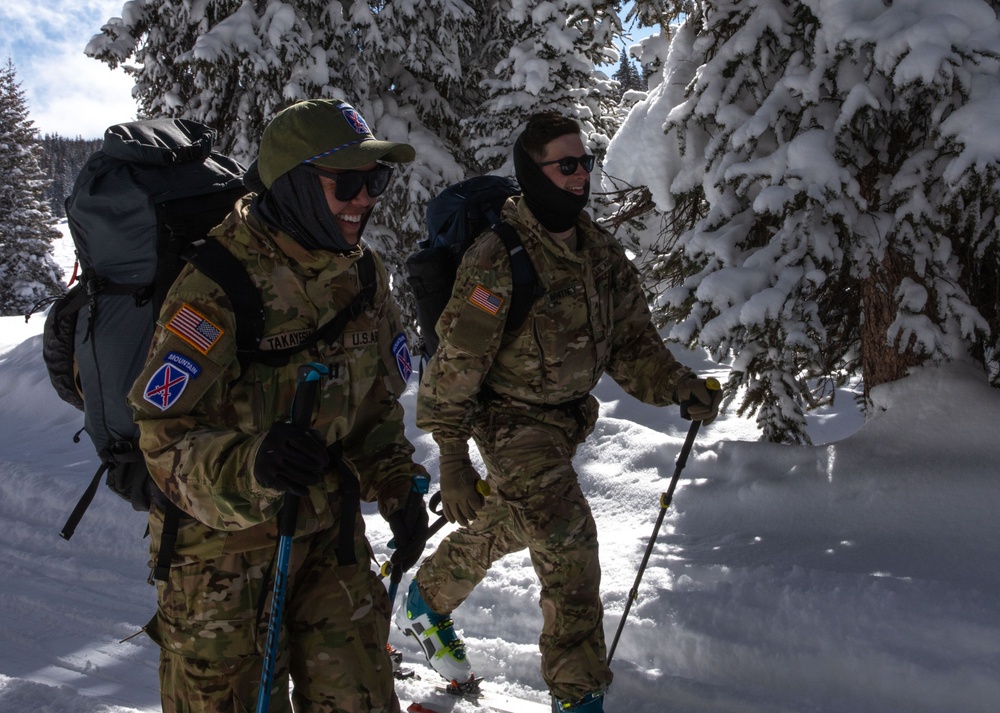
(401, 351)
(485, 300)
(355, 119)
(194, 328)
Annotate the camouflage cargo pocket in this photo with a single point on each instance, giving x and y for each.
(207, 609)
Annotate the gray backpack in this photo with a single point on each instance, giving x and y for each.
(153, 189)
(140, 209)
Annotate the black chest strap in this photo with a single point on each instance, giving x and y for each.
(331, 330)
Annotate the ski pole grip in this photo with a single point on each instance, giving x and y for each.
(305, 393)
(712, 384)
(288, 516)
(303, 402)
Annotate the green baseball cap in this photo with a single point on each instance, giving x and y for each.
(324, 132)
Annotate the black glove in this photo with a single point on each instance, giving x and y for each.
(290, 459)
(409, 531)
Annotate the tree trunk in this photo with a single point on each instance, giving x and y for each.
(882, 361)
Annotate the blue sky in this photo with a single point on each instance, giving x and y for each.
(67, 92)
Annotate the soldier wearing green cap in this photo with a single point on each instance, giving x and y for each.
(219, 444)
(524, 398)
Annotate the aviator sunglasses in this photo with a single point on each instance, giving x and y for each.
(348, 184)
(568, 164)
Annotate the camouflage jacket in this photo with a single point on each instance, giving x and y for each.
(200, 437)
(593, 319)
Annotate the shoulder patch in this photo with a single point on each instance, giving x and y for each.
(166, 385)
(191, 326)
(485, 300)
(184, 363)
(401, 351)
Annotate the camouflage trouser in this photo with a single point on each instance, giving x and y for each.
(332, 643)
(536, 503)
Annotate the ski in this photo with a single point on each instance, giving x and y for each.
(473, 692)
(498, 702)
(438, 695)
(416, 707)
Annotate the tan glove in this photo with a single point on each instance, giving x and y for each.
(461, 488)
(699, 399)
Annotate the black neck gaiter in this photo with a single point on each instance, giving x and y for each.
(557, 210)
(296, 204)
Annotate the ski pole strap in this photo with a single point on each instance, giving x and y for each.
(435, 507)
(350, 504)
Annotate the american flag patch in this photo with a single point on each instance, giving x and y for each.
(194, 329)
(485, 300)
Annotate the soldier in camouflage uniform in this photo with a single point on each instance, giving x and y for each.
(219, 444)
(524, 397)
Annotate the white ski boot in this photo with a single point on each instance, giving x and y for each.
(435, 633)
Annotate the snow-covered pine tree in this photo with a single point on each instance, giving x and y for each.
(28, 273)
(234, 65)
(627, 208)
(831, 172)
(61, 160)
(419, 72)
(545, 57)
(627, 75)
(651, 51)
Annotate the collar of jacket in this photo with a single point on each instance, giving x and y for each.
(517, 213)
(280, 246)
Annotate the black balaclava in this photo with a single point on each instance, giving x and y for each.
(557, 210)
(295, 204)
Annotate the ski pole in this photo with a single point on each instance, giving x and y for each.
(302, 407)
(665, 499)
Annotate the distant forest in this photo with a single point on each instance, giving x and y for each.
(61, 159)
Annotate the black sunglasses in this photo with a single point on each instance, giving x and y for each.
(349, 183)
(567, 165)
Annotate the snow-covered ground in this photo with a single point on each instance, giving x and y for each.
(860, 575)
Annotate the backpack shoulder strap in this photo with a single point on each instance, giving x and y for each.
(526, 286)
(221, 266)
